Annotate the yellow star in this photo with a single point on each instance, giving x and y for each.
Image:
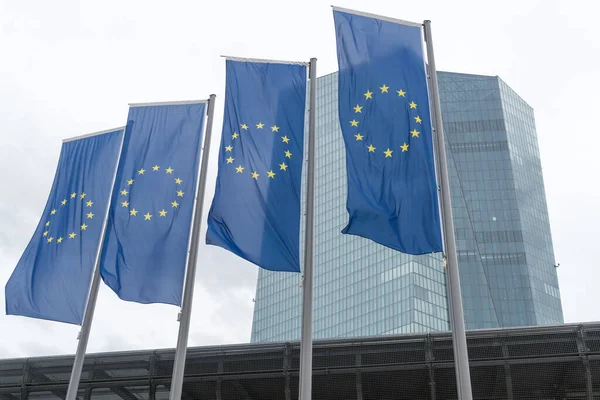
(239, 169)
(133, 212)
(384, 89)
(46, 233)
(357, 108)
(415, 133)
(83, 227)
(147, 217)
(90, 215)
(59, 240)
(89, 203)
(180, 194)
(260, 125)
(53, 212)
(354, 122)
(404, 147)
(169, 170)
(48, 223)
(235, 135)
(288, 154)
(274, 128)
(412, 104)
(124, 192)
(285, 139)
(155, 168)
(255, 175)
(369, 95)
(371, 148)
(73, 195)
(388, 153)
(163, 213)
(62, 203)
(130, 182)
(271, 174)
(283, 166)
(72, 235)
(141, 171)
(418, 119)
(244, 126)
(82, 196)
(229, 160)
(174, 204)
(50, 239)
(178, 181)
(125, 204)
(358, 136)
(228, 148)
(401, 93)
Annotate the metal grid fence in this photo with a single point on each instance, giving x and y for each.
(556, 362)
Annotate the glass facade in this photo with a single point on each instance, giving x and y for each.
(506, 259)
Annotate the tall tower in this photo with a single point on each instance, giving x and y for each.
(504, 244)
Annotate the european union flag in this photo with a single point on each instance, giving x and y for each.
(256, 209)
(53, 276)
(384, 116)
(145, 249)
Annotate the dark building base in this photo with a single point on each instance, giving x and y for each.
(555, 362)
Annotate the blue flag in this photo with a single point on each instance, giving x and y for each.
(144, 254)
(53, 276)
(384, 116)
(256, 209)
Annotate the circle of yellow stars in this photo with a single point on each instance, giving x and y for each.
(133, 212)
(89, 215)
(388, 153)
(253, 173)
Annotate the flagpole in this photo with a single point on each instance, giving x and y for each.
(90, 307)
(457, 320)
(307, 301)
(190, 276)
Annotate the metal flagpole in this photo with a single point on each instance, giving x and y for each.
(190, 276)
(307, 301)
(457, 320)
(88, 315)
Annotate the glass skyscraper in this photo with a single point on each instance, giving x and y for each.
(506, 258)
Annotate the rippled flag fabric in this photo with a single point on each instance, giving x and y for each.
(53, 276)
(385, 121)
(144, 254)
(255, 212)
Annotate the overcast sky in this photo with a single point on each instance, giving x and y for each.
(68, 68)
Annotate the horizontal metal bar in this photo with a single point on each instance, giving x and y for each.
(168, 103)
(261, 60)
(92, 134)
(380, 17)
